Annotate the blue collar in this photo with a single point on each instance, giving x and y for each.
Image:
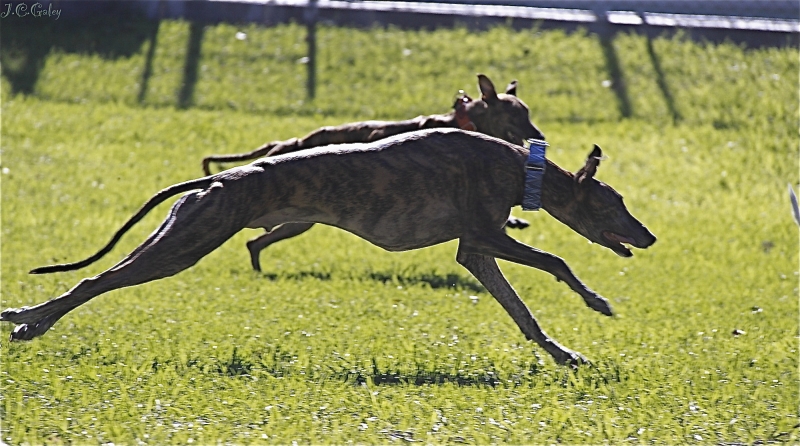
(534, 174)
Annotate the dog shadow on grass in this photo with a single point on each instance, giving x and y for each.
(298, 276)
(424, 378)
(238, 366)
(433, 280)
(242, 365)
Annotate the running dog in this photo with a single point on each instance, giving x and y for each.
(400, 193)
(503, 116)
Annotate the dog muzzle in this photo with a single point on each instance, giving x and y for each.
(534, 175)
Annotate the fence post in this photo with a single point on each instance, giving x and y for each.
(310, 15)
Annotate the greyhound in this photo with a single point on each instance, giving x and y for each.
(405, 192)
(503, 116)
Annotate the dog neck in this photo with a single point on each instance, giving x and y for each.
(557, 190)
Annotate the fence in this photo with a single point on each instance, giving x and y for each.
(752, 22)
(779, 16)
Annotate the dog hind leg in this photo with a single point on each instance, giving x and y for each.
(485, 269)
(282, 232)
(196, 225)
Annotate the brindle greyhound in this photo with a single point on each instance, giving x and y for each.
(405, 192)
(503, 116)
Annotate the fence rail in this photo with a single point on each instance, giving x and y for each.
(781, 18)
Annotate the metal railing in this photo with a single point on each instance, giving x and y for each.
(777, 24)
(776, 16)
(754, 22)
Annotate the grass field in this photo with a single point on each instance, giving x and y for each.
(338, 341)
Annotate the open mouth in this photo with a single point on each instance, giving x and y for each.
(615, 242)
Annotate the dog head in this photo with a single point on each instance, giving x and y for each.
(592, 208)
(502, 115)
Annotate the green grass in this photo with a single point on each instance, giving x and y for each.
(339, 341)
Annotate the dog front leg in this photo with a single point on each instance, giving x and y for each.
(485, 269)
(501, 246)
(282, 232)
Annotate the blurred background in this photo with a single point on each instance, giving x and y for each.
(199, 53)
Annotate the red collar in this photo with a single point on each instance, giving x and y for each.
(462, 118)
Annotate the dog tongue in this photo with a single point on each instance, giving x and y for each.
(618, 238)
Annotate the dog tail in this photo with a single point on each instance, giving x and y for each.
(157, 199)
(254, 154)
(795, 208)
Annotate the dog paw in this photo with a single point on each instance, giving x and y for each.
(599, 304)
(255, 262)
(29, 330)
(573, 359)
(26, 332)
(516, 223)
(207, 166)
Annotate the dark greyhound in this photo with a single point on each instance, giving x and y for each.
(405, 192)
(503, 116)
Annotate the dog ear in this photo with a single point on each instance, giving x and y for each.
(590, 168)
(488, 92)
(512, 88)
